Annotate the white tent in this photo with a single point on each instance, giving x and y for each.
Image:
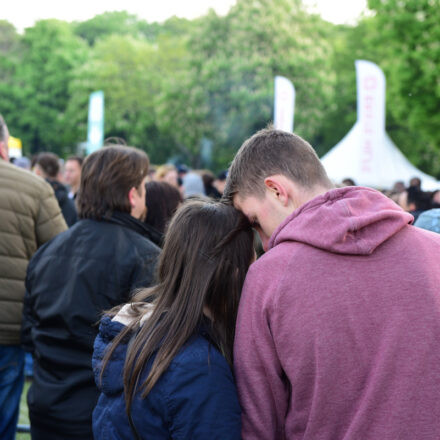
(390, 165)
(367, 154)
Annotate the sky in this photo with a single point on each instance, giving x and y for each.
(24, 13)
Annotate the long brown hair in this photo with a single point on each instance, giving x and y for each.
(207, 251)
(162, 201)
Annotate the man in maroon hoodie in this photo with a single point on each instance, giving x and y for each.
(338, 331)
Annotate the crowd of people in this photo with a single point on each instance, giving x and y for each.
(262, 303)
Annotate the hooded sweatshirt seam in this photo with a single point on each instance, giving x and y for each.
(354, 228)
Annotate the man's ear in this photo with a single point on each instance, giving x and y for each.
(275, 185)
(4, 151)
(38, 171)
(132, 197)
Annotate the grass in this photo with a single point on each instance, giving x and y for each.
(23, 418)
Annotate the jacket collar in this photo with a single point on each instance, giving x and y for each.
(128, 221)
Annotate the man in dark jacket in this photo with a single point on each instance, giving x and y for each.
(48, 167)
(72, 174)
(90, 268)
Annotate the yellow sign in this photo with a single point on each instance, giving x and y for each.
(15, 147)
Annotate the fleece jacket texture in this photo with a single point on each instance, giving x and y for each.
(339, 325)
(29, 217)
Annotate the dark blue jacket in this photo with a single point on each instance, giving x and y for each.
(194, 399)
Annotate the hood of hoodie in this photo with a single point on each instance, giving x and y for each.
(351, 220)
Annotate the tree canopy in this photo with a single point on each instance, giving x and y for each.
(172, 88)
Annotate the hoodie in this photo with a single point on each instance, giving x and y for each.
(338, 325)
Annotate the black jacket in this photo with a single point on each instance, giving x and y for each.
(71, 280)
(67, 205)
(154, 235)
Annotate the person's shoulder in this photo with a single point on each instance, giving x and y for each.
(109, 329)
(198, 353)
(50, 248)
(272, 274)
(109, 381)
(141, 242)
(422, 238)
(74, 242)
(195, 372)
(268, 259)
(270, 267)
(199, 393)
(99, 230)
(429, 221)
(25, 181)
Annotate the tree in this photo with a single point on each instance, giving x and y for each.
(173, 87)
(349, 44)
(9, 39)
(228, 90)
(108, 23)
(130, 72)
(50, 52)
(9, 64)
(408, 36)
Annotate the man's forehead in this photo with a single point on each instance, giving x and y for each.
(244, 203)
(73, 162)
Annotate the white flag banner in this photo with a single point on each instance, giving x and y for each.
(284, 104)
(370, 112)
(95, 132)
(367, 154)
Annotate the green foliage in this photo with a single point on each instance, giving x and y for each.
(170, 87)
(349, 45)
(123, 23)
(130, 73)
(49, 53)
(409, 46)
(9, 61)
(116, 22)
(9, 39)
(228, 87)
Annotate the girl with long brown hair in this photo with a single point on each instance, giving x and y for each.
(163, 361)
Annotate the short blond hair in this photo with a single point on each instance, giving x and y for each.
(163, 170)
